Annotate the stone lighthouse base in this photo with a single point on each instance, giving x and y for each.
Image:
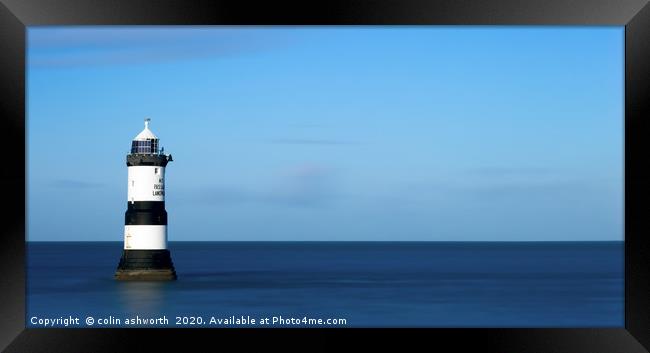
(145, 265)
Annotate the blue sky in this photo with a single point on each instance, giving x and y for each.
(331, 133)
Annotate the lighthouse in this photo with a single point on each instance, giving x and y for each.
(145, 255)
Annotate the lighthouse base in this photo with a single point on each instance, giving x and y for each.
(145, 265)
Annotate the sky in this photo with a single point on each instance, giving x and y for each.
(432, 133)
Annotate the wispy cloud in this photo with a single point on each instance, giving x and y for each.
(74, 184)
(509, 171)
(305, 185)
(74, 47)
(308, 125)
(550, 189)
(325, 142)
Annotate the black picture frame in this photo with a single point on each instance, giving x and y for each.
(15, 15)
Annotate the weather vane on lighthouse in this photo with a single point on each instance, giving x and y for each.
(145, 255)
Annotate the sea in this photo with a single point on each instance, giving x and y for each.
(333, 284)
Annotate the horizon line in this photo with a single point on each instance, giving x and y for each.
(334, 241)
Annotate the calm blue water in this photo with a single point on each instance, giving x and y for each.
(423, 284)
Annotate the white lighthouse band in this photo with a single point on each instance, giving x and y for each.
(145, 254)
(145, 225)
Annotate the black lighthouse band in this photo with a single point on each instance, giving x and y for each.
(145, 213)
(134, 160)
